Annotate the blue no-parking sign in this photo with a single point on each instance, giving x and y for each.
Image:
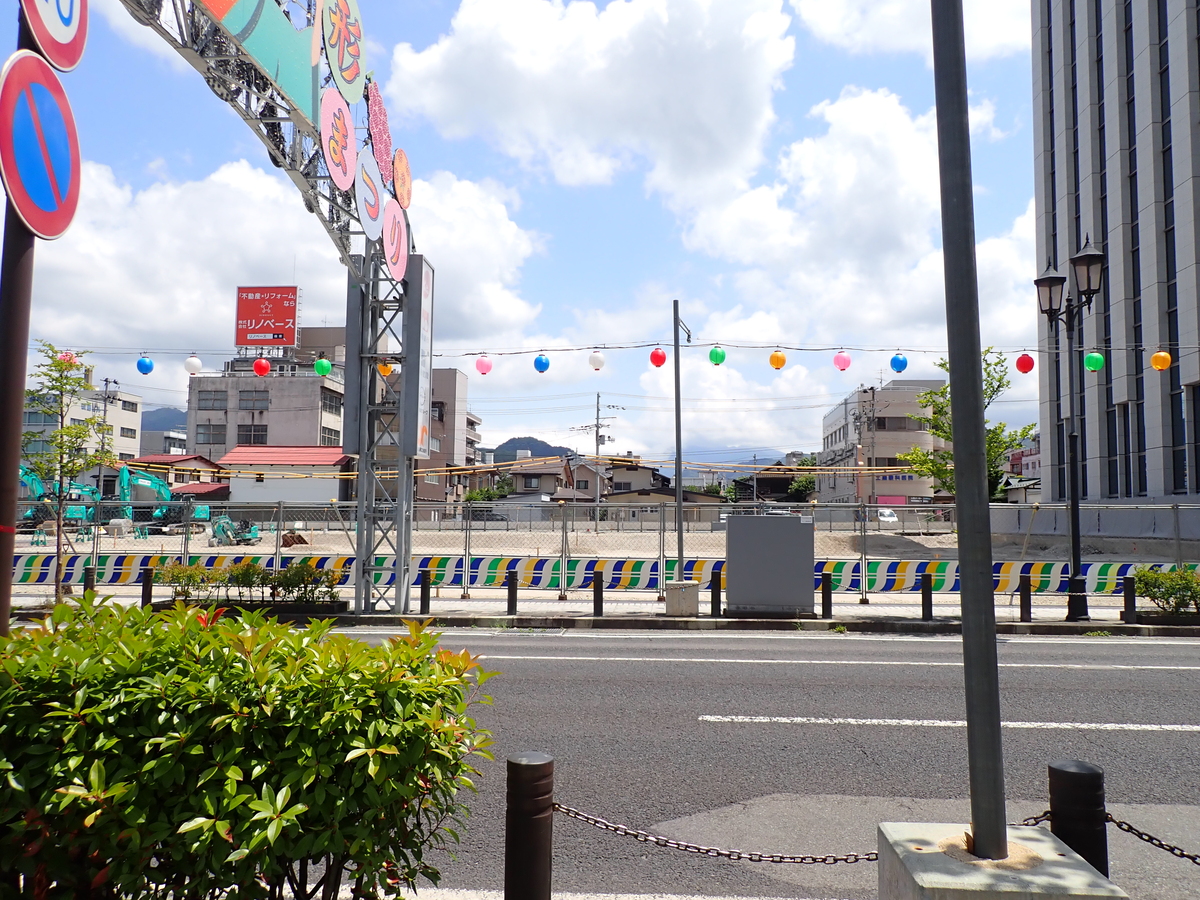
(39, 146)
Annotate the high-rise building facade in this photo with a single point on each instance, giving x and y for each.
(1117, 157)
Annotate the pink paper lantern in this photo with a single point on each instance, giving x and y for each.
(483, 365)
(841, 360)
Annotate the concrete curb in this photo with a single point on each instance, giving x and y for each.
(882, 625)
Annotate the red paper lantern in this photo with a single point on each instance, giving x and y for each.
(1024, 363)
(658, 356)
(261, 367)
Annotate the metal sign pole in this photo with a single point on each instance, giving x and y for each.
(980, 671)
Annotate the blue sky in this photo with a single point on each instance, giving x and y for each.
(577, 166)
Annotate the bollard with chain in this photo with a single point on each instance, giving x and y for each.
(826, 595)
(529, 827)
(89, 579)
(1129, 615)
(425, 580)
(510, 582)
(147, 587)
(715, 610)
(1026, 590)
(926, 597)
(597, 592)
(1077, 814)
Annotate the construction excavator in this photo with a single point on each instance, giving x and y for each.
(128, 479)
(73, 515)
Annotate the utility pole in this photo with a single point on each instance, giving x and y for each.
(104, 434)
(600, 439)
(679, 449)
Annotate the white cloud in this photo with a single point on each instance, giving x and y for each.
(684, 84)
(992, 28)
(120, 21)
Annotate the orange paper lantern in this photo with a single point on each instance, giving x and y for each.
(1161, 361)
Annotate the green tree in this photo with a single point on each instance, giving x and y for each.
(714, 489)
(64, 452)
(504, 486)
(801, 487)
(1000, 439)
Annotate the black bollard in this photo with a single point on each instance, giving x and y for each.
(1077, 814)
(715, 600)
(826, 595)
(425, 581)
(926, 597)
(597, 593)
(1129, 616)
(89, 579)
(1026, 598)
(510, 581)
(147, 586)
(529, 827)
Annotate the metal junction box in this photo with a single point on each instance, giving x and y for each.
(769, 566)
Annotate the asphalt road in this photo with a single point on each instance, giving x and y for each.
(624, 717)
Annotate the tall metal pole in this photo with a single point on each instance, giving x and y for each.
(981, 675)
(16, 293)
(678, 459)
(1077, 605)
(596, 471)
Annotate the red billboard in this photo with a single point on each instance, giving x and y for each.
(266, 317)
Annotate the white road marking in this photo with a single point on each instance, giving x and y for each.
(945, 723)
(828, 662)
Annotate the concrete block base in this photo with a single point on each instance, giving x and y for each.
(683, 598)
(923, 861)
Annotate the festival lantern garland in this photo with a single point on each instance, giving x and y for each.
(899, 363)
(1094, 361)
(716, 355)
(1161, 361)
(596, 360)
(322, 366)
(841, 360)
(778, 360)
(483, 365)
(145, 365)
(192, 365)
(541, 363)
(1024, 363)
(658, 357)
(262, 367)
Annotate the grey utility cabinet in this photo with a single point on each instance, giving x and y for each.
(769, 566)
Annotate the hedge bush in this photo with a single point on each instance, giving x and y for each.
(296, 583)
(181, 754)
(1176, 591)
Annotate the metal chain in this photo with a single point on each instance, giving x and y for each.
(659, 841)
(1034, 820)
(1153, 841)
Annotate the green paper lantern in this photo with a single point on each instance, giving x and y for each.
(716, 356)
(322, 366)
(1094, 361)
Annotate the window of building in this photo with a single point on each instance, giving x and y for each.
(37, 418)
(81, 422)
(254, 400)
(38, 446)
(252, 434)
(212, 399)
(532, 482)
(622, 485)
(210, 433)
(129, 406)
(432, 479)
(331, 402)
(435, 444)
(439, 412)
(183, 477)
(129, 432)
(330, 437)
(124, 456)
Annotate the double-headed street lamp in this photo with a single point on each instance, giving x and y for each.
(1088, 266)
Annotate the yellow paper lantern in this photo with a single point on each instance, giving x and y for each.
(778, 360)
(1161, 361)
(385, 369)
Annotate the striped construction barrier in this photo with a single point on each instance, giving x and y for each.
(545, 572)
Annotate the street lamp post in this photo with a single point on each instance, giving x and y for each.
(1088, 266)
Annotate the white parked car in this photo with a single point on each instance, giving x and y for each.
(889, 516)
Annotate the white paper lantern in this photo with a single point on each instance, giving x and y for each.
(192, 365)
(596, 360)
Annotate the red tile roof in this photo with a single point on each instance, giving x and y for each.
(258, 455)
(206, 488)
(169, 459)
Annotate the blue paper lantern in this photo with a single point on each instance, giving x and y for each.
(145, 365)
(542, 362)
(899, 362)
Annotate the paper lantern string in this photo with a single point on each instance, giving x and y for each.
(322, 366)
(261, 367)
(541, 362)
(716, 355)
(778, 360)
(596, 360)
(1024, 363)
(145, 365)
(483, 365)
(658, 356)
(899, 363)
(192, 365)
(841, 360)
(1094, 361)
(1161, 361)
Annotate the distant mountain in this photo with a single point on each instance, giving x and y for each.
(507, 451)
(165, 418)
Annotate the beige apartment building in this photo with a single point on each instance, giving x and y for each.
(872, 426)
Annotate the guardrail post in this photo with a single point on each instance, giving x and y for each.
(597, 592)
(510, 582)
(147, 586)
(716, 594)
(826, 595)
(529, 827)
(926, 597)
(1077, 814)
(1026, 598)
(89, 579)
(425, 592)
(1129, 615)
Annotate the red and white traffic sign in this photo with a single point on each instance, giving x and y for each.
(40, 161)
(60, 28)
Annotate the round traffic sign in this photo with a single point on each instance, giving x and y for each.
(39, 146)
(60, 29)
